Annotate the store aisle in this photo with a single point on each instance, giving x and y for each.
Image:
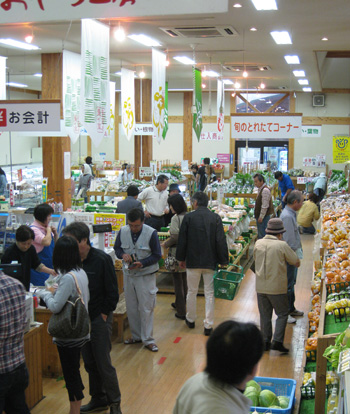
(149, 382)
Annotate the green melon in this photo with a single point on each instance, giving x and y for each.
(254, 384)
(284, 401)
(268, 398)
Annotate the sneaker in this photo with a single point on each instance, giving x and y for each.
(191, 325)
(208, 331)
(94, 406)
(278, 346)
(115, 408)
(291, 319)
(173, 305)
(179, 316)
(267, 346)
(300, 228)
(296, 313)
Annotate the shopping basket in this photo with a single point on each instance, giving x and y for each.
(226, 283)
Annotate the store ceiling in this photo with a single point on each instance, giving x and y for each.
(307, 21)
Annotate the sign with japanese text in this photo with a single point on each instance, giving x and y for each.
(146, 172)
(224, 158)
(116, 220)
(44, 190)
(309, 162)
(320, 160)
(259, 126)
(311, 131)
(341, 149)
(36, 116)
(211, 136)
(143, 129)
(14, 11)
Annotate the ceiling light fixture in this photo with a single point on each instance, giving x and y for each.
(281, 38)
(253, 29)
(237, 5)
(119, 34)
(29, 38)
(18, 45)
(204, 85)
(227, 82)
(184, 60)
(210, 74)
(237, 85)
(265, 4)
(307, 89)
(299, 73)
(38, 75)
(245, 74)
(142, 74)
(262, 85)
(324, 39)
(292, 59)
(17, 85)
(144, 40)
(303, 82)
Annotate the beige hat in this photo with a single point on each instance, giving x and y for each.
(275, 226)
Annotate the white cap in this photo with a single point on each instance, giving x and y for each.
(322, 175)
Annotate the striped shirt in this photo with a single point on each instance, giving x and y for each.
(12, 323)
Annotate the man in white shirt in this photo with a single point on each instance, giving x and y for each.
(156, 202)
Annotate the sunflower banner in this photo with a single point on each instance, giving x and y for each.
(158, 93)
(128, 102)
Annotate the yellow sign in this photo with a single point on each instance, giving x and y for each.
(117, 220)
(341, 150)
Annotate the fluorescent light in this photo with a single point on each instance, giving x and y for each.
(227, 82)
(253, 29)
(38, 75)
(237, 5)
(119, 73)
(299, 73)
(324, 39)
(307, 89)
(281, 38)
(145, 40)
(185, 60)
(265, 4)
(210, 74)
(17, 85)
(303, 82)
(292, 59)
(19, 45)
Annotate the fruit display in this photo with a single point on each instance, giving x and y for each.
(337, 183)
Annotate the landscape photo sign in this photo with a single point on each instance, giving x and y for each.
(16, 11)
(36, 116)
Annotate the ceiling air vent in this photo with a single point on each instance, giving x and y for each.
(248, 68)
(318, 100)
(200, 31)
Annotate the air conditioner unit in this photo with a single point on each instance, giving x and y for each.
(318, 100)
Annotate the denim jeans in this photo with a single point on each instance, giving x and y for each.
(262, 226)
(12, 387)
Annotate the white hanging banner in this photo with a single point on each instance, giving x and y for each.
(158, 93)
(71, 93)
(128, 102)
(220, 107)
(111, 125)
(94, 102)
(2, 78)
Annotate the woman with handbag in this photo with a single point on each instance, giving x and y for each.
(71, 282)
(178, 207)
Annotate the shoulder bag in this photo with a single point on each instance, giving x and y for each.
(73, 321)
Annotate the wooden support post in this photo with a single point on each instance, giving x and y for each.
(59, 188)
(187, 126)
(291, 141)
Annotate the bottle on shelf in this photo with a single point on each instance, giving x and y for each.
(332, 401)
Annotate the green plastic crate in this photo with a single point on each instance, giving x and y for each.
(226, 284)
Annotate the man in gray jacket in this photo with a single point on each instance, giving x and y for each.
(130, 201)
(292, 237)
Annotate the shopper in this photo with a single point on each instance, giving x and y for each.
(3, 183)
(44, 241)
(156, 202)
(292, 237)
(201, 247)
(138, 245)
(320, 185)
(173, 189)
(130, 201)
(88, 161)
(210, 176)
(233, 353)
(67, 263)
(103, 287)
(200, 177)
(308, 213)
(179, 208)
(285, 185)
(84, 182)
(24, 252)
(263, 205)
(14, 377)
(271, 255)
(127, 174)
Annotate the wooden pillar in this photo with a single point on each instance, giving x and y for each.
(59, 189)
(291, 141)
(233, 109)
(187, 125)
(88, 146)
(116, 126)
(143, 113)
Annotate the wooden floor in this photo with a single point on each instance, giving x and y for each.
(149, 382)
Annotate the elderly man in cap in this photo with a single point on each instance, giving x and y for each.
(271, 256)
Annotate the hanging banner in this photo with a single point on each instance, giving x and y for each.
(111, 119)
(94, 101)
(14, 11)
(197, 116)
(128, 102)
(71, 93)
(263, 126)
(158, 93)
(2, 78)
(341, 149)
(220, 106)
(166, 127)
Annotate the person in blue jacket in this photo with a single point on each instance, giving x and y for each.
(285, 185)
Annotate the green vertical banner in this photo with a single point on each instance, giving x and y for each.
(197, 117)
(165, 129)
